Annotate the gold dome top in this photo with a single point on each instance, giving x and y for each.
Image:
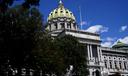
(61, 12)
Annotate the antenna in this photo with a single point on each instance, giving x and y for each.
(80, 18)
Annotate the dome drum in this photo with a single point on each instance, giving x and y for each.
(61, 25)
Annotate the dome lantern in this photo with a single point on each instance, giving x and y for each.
(61, 4)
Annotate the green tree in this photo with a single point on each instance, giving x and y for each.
(4, 4)
(19, 34)
(74, 53)
(55, 55)
(47, 55)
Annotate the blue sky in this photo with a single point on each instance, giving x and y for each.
(107, 17)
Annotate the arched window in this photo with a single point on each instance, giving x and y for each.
(110, 64)
(120, 65)
(115, 64)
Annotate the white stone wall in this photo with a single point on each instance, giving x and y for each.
(116, 63)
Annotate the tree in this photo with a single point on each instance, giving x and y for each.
(55, 55)
(47, 55)
(18, 34)
(4, 4)
(74, 53)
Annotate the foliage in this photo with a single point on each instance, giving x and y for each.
(4, 4)
(48, 57)
(18, 34)
(74, 53)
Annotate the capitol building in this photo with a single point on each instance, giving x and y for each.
(107, 61)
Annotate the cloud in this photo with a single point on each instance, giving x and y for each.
(110, 43)
(97, 29)
(111, 39)
(123, 28)
(124, 40)
(107, 44)
(83, 23)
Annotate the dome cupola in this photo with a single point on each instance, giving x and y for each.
(61, 18)
(60, 11)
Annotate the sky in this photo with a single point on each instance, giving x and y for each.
(109, 18)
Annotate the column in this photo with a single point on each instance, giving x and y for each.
(98, 51)
(108, 65)
(65, 25)
(52, 27)
(101, 54)
(122, 63)
(127, 65)
(118, 66)
(113, 64)
(91, 50)
(88, 51)
(72, 26)
(59, 26)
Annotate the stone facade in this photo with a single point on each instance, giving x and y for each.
(106, 60)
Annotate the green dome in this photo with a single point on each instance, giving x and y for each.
(61, 12)
(121, 45)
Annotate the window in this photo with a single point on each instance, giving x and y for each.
(125, 67)
(105, 64)
(68, 25)
(94, 51)
(120, 65)
(110, 64)
(56, 12)
(55, 25)
(62, 25)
